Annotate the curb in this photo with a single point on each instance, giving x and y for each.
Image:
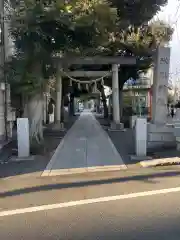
(71, 171)
(155, 162)
(22, 159)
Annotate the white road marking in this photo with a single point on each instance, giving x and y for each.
(87, 201)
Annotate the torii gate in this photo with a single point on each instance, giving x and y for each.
(116, 62)
(156, 130)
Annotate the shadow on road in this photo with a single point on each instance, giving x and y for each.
(149, 178)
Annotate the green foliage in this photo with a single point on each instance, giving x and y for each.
(60, 26)
(41, 28)
(170, 98)
(114, 27)
(22, 80)
(142, 43)
(161, 31)
(137, 12)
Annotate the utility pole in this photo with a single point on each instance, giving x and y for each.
(2, 63)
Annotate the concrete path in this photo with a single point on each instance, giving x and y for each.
(86, 147)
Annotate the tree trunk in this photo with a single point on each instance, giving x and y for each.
(33, 110)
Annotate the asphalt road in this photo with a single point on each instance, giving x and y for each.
(153, 217)
(143, 217)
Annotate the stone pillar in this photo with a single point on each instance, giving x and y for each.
(109, 105)
(115, 94)
(115, 125)
(159, 133)
(160, 86)
(71, 105)
(98, 104)
(121, 103)
(75, 105)
(86, 104)
(58, 97)
(23, 137)
(141, 137)
(2, 120)
(45, 108)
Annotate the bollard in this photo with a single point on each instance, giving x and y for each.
(23, 137)
(141, 137)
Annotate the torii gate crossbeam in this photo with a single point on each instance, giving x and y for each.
(115, 61)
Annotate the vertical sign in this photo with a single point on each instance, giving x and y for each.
(160, 84)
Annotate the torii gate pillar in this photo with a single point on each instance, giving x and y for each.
(116, 124)
(58, 100)
(115, 94)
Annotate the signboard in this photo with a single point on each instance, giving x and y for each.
(137, 84)
(131, 81)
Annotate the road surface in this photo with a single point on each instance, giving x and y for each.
(153, 217)
(91, 211)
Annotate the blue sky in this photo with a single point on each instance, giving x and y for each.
(171, 14)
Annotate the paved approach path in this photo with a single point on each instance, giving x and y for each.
(86, 147)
